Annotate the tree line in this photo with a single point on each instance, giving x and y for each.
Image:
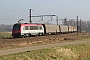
(5, 28)
(85, 26)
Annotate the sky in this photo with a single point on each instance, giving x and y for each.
(13, 10)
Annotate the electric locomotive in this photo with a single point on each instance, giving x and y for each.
(27, 29)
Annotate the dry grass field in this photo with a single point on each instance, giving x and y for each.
(70, 52)
(10, 42)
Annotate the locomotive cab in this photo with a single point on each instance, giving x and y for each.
(16, 30)
(23, 29)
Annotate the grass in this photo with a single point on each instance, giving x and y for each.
(70, 52)
(88, 58)
(9, 44)
(5, 35)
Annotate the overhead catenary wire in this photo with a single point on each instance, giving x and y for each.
(35, 12)
(9, 15)
(38, 12)
(3, 16)
(13, 10)
(41, 16)
(12, 14)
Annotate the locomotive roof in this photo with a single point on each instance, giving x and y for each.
(26, 23)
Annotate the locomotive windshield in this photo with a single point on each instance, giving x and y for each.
(16, 27)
